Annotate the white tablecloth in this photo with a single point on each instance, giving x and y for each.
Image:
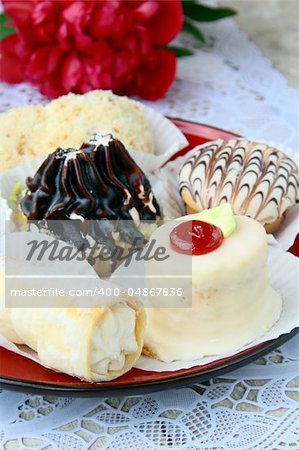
(228, 84)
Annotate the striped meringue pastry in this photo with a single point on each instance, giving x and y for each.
(258, 181)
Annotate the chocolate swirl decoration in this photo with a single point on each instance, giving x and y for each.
(257, 180)
(119, 169)
(98, 181)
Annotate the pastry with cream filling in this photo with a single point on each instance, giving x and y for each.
(93, 344)
(257, 180)
(232, 302)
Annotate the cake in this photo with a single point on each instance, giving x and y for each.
(99, 342)
(232, 302)
(256, 179)
(35, 130)
(90, 195)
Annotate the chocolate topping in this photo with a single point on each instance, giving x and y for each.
(98, 181)
(119, 169)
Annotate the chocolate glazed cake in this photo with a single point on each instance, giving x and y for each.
(92, 193)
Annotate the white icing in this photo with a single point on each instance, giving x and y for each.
(71, 155)
(75, 216)
(98, 139)
(135, 215)
(141, 193)
(128, 196)
(150, 204)
(232, 302)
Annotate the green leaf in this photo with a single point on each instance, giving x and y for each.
(202, 13)
(180, 51)
(190, 28)
(5, 30)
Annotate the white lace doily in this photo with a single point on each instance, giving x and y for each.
(228, 84)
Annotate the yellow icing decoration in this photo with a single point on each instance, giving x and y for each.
(222, 216)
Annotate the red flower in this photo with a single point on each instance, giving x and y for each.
(75, 46)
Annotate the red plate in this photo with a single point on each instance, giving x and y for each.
(19, 373)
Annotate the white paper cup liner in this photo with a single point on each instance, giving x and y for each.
(167, 137)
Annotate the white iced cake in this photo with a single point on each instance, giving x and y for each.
(232, 301)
